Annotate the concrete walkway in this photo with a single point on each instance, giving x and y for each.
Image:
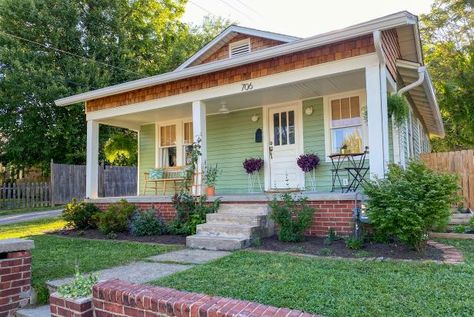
(150, 269)
(5, 220)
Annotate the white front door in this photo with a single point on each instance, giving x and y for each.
(284, 147)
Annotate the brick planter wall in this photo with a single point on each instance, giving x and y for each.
(70, 307)
(116, 298)
(15, 275)
(336, 214)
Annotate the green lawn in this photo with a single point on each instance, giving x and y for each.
(56, 257)
(338, 287)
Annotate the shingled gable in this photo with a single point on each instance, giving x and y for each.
(218, 48)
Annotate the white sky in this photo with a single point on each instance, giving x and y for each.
(300, 17)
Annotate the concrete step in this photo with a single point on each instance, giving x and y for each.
(236, 218)
(252, 209)
(202, 241)
(459, 221)
(461, 216)
(228, 230)
(39, 311)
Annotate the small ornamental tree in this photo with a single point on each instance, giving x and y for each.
(410, 202)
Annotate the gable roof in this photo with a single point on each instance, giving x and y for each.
(225, 36)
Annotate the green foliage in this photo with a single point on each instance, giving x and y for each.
(398, 108)
(108, 42)
(210, 176)
(116, 218)
(80, 286)
(471, 223)
(410, 202)
(448, 37)
(326, 252)
(147, 223)
(331, 237)
(121, 149)
(78, 215)
(292, 215)
(354, 243)
(459, 229)
(191, 211)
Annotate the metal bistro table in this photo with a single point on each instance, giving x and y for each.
(351, 164)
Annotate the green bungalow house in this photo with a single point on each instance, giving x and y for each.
(256, 94)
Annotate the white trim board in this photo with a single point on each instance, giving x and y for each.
(316, 71)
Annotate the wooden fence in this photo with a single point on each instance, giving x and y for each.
(24, 195)
(69, 181)
(460, 162)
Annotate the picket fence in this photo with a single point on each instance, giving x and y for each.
(24, 195)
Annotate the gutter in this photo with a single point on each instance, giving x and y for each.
(387, 22)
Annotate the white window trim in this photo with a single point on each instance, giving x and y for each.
(179, 140)
(239, 43)
(327, 118)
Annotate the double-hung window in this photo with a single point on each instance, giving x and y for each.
(175, 143)
(346, 125)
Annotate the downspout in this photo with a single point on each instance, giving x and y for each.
(418, 82)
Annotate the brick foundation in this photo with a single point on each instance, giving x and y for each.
(70, 307)
(336, 214)
(116, 298)
(15, 275)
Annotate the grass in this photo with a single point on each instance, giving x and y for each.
(30, 228)
(56, 257)
(10, 212)
(338, 287)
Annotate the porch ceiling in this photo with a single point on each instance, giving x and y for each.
(297, 90)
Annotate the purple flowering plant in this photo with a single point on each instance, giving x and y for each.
(308, 162)
(252, 165)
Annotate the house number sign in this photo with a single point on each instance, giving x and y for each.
(247, 86)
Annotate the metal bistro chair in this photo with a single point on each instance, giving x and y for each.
(358, 171)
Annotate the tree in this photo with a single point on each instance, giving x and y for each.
(121, 149)
(448, 34)
(56, 48)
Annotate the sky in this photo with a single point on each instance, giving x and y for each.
(300, 17)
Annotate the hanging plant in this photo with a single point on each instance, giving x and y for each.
(253, 165)
(398, 108)
(308, 163)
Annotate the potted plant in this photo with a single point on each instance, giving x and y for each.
(252, 167)
(210, 178)
(74, 298)
(308, 163)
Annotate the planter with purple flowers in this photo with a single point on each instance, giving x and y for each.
(308, 163)
(252, 167)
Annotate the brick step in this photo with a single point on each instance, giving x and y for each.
(228, 230)
(39, 311)
(202, 241)
(236, 218)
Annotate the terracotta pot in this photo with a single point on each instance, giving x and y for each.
(211, 191)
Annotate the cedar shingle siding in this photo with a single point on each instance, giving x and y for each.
(391, 49)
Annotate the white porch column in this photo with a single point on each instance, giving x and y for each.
(377, 120)
(92, 161)
(199, 130)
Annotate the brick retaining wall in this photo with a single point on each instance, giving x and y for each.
(15, 275)
(70, 307)
(336, 214)
(116, 298)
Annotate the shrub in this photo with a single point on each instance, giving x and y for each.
(80, 286)
(78, 215)
(410, 202)
(146, 223)
(116, 218)
(332, 236)
(191, 211)
(459, 229)
(354, 243)
(292, 215)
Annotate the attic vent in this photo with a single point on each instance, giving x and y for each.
(239, 48)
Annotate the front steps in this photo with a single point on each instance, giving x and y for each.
(233, 227)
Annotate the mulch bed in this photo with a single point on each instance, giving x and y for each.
(316, 246)
(96, 234)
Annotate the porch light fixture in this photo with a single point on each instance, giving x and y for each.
(224, 109)
(255, 118)
(308, 111)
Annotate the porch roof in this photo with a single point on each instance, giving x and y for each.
(395, 20)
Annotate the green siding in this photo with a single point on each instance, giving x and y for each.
(391, 157)
(314, 136)
(147, 152)
(231, 139)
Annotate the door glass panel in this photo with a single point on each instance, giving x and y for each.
(276, 129)
(291, 127)
(284, 131)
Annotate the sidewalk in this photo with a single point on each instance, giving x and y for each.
(5, 220)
